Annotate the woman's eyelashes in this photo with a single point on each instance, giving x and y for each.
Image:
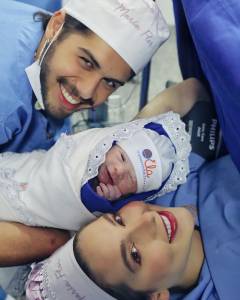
(118, 219)
(134, 252)
(135, 255)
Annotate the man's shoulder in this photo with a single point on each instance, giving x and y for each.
(17, 22)
(20, 35)
(22, 10)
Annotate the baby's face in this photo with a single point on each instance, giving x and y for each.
(118, 171)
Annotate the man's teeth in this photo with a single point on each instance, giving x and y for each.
(68, 97)
(168, 226)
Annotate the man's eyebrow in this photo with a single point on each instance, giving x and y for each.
(97, 65)
(123, 251)
(91, 57)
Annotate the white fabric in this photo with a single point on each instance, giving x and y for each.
(166, 152)
(64, 279)
(134, 29)
(34, 70)
(146, 160)
(43, 188)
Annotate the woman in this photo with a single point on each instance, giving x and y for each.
(188, 91)
(135, 254)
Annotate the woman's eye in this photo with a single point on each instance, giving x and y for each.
(135, 255)
(122, 156)
(118, 220)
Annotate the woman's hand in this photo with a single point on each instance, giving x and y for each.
(179, 98)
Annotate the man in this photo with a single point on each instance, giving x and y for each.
(208, 46)
(75, 62)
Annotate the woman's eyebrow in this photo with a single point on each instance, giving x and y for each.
(123, 250)
(109, 220)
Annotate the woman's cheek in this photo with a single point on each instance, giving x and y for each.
(160, 262)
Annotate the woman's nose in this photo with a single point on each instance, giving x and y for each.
(145, 226)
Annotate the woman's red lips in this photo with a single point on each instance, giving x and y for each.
(170, 224)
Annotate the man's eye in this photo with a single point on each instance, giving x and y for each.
(135, 255)
(111, 84)
(87, 64)
(118, 220)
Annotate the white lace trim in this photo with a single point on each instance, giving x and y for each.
(41, 278)
(45, 287)
(174, 127)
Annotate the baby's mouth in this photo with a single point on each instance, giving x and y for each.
(111, 180)
(105, 176)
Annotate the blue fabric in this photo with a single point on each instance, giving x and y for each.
(22, 128)
(219, 209)
(2, 294)
(215, 189)
(50, 5)
(208, 39)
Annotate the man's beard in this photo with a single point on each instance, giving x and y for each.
(45, 72)
(61, 80)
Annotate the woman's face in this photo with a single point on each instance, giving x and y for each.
(136, 247)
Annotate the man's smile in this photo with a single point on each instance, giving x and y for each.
(67, 100)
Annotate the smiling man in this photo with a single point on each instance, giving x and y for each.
(54, 65)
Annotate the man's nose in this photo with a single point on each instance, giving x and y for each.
(88, 86)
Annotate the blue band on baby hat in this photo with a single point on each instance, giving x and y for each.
(160, 130)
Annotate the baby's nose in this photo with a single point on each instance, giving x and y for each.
(119, 171)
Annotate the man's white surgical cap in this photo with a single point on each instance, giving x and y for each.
(135, 29)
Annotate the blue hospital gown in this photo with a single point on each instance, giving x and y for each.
(208, 38)
(22, 128)
(215, 189)
(49, 5)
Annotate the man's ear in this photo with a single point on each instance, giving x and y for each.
(54, 24)
(163, 295)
